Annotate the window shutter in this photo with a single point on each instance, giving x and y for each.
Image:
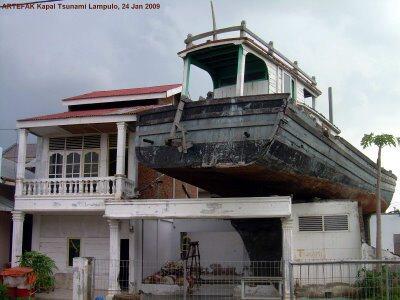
(310, 223)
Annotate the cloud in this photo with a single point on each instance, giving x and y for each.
(352, 46)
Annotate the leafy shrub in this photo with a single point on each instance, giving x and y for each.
(376, 283)
(43, 267)
(3, 292)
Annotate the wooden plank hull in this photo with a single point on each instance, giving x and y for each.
(258, 146)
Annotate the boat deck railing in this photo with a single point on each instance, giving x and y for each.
(319, 117)
(244, 31)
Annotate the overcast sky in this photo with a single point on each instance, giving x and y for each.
(352, 46)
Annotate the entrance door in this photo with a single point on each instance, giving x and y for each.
(124, 265)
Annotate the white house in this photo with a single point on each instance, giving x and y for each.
(390, 232)
(84, 199)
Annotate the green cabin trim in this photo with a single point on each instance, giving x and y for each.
(221, 63)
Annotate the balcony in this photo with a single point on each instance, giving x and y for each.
(103, 187)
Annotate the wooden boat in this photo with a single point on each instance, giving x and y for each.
(251, 138)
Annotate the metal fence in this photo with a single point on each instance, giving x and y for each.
(183, 279)
(351, 279)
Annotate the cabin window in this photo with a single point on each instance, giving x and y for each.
(324, 223)
(74, 250)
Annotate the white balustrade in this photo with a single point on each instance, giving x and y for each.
(84, 186)
(128, 188)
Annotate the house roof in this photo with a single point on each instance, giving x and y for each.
(126, 92)
(9, 170)
(11, 152)
(93, 113)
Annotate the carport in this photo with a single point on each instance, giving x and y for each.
(199, 208)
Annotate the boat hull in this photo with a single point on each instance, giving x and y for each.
(258, 146)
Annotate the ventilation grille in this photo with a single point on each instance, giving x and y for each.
(338, 222)
(312, 223)
(57, 143)
(75, 143)
(324, 223)
(91, 141)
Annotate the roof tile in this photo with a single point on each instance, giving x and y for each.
(126, 92)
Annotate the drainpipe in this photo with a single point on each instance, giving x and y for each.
(330, 105)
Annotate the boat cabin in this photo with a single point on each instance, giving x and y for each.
(245, 65)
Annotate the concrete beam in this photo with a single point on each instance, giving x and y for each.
(201, 208)
(62, 204)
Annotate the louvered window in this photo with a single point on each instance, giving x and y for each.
(74, 149)
(310, 223)
(57, 144)
(336, 222)
(324, 223)
(75, 143)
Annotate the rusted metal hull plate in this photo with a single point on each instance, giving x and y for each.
(259, 146)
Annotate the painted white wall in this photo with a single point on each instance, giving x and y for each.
(390, 226)
(250, 88)
(331, 244)
(218, 242)
(55, 230)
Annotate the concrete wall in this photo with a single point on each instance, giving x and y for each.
(52, 236)
(218, 242)
(330, 244)
(5, 231)
(390, 226)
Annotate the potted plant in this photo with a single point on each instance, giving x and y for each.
(43, 267)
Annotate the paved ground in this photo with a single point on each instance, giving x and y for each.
(58, 294)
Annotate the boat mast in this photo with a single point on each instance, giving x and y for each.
(213, 20)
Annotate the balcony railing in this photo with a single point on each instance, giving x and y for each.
(83, 186)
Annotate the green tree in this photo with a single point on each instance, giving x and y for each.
(380, 141)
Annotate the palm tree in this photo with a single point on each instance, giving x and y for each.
(380, 141)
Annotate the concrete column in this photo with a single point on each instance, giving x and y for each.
(37, 220)
(132, 255)
(82, 278)
(39, 152)
(17, 234)
(240, 71)
(138, 257)
(132, 160)
(103, 155)
(22, 140)
(121, 148)
(287, 229)
(186, 76)
(313, 102)
(113, 285)
(45, 158)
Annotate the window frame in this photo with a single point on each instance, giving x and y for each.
(51, 153)
(83, 163)
(79, 152)
(65, 152)
(68, 252)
